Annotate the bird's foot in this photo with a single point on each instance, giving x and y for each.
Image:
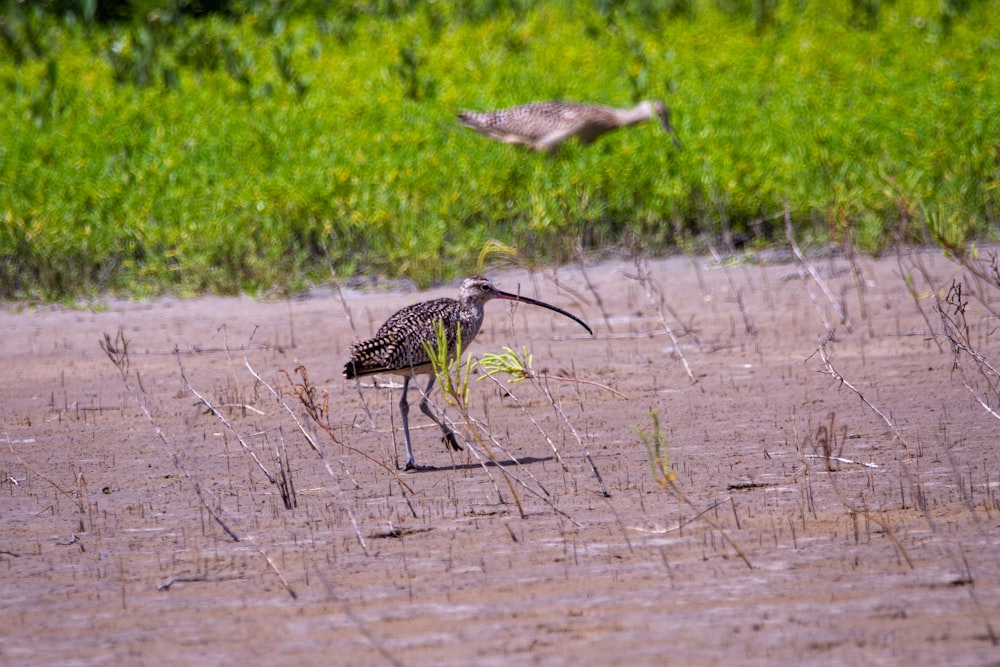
(412, 465)
(452, 441)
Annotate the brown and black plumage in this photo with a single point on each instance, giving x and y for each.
(545, 125)
(398, 348)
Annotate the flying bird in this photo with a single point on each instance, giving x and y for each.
(542, 126)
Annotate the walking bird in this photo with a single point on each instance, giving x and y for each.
(398, 348)
(545, 125)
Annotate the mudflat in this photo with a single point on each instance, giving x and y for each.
(833, 504)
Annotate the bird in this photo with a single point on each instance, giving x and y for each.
(544, 125)
(398, 345)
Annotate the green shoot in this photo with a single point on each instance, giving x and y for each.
(454, 387)
(509, 363)
(657, 452)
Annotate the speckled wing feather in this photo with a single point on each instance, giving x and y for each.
(530, 122)
(397, 344)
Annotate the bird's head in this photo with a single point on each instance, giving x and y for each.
(477, 290)
(663, 113)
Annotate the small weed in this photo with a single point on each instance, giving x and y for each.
(657, 452)
(452, 378)
(509, 363)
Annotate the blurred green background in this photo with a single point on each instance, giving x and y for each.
(257, 145)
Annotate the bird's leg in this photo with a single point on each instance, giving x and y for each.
(449, 435)
(404, 409)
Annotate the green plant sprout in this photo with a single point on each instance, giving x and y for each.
(454, 387)
(509, 363)
(520, 368)
(657, 452)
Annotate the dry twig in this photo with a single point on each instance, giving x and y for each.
(652, 288)
(804, 263)
(748, 324)
(984, 385)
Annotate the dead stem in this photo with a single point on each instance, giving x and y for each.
(748, 324)
(911, 288)
(657, 451)
(211, 408)
(702, 515)
(317, 410)
(592, 288)
(451, 389)
(957, 332)
(828, 369)
(644, 278)
(803, 262)
(479, 448)
(374, 642)
(531, 418)
(859, 285)
(75, 498)
(682, 524)
(544, 388)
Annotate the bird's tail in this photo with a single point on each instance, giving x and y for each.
(469, 119)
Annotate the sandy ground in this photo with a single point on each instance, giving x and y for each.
(110, 552)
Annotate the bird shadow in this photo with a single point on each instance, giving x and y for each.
(489, 464)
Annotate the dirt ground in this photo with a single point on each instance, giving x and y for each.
(120, 500)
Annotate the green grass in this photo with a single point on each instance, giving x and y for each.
(263, 151)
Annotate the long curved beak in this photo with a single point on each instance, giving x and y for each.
(673, 134)
(523, 299)
(665, 120)
(676, 140)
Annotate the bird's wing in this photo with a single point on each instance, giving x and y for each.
(528, 123)
(397, 344)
